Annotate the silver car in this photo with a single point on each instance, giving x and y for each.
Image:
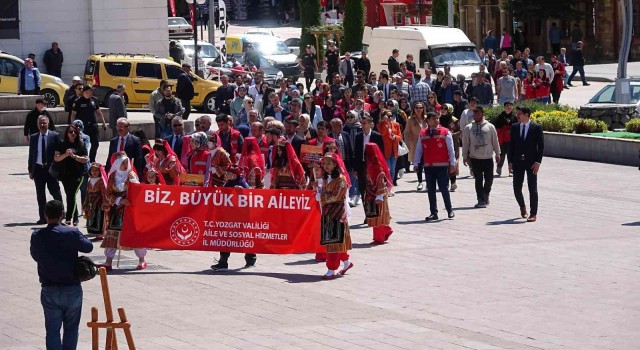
(179, 28)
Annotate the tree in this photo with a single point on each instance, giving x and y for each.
(309, 17)
(439, 11)
(353, 25)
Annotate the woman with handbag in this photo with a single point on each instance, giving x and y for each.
(71, 157)
(378, 187)
(332, 191)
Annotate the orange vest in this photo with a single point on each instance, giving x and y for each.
(264, 146)
(199, 163)
(434, 148)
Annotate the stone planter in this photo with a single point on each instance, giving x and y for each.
(592, 148)
(615, 116)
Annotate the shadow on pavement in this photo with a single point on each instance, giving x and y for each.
(637, 223)
(289, 277)
(412, 222)
(302, 262)
(22, 224)
(516, 221)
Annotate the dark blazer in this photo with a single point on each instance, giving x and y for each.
(270, 112)
(53, 139)
(358, 150)
(393, 65)
(392, 87)
(178, 147)
(184, 88)
(348, 156)
(297, 143)
(531, 148)
(31, 123)
(133, 149)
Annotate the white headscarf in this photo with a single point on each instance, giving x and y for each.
(121, 176)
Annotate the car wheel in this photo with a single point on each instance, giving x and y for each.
(209, 104)
(50, 97)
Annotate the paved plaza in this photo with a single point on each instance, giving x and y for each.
(485, 280)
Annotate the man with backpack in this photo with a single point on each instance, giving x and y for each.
(55, 249)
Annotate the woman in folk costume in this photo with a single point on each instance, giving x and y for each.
(92, 205)
(220, 162)
(332, 193)
(199, 160)
(166, 162)
(120, 176)
(287, 172)
(252, 163)
(379, 184)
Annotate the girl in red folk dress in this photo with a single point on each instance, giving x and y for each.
(92, 205)
(377, 189)
(332, 193)
(252, 163)
(166, 162)
(287, 173)
(120, 176)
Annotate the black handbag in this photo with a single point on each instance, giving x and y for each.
(54, 170)
(86, 269)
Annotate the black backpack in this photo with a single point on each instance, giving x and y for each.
(86, 269)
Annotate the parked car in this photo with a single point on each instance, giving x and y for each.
(259, 31)
(272, 48)
(294, 45)
(52, 88)
(209, 55)
(606, 98)
(179, 28)
(141, 75)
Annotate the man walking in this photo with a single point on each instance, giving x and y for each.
(346, 69)
(86, 108)
(310, 66)
(117, 108)
(157, 95)
(53, 59)
(55, 249)
(393, 63)
(479, 144)
(184, 90)
(123, 141)
(525, 156)
(31, 123)
(577, 59)
(506, 88)
(435, 151)
(42, 147)
(331, 61)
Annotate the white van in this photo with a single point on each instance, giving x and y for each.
(432, 47)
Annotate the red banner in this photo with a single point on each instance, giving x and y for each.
(172, 6)
(222, 219)
(192, 13)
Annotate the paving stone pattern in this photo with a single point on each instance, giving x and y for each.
(485, 280)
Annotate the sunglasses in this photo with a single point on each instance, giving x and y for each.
(72, 132)
(430, 97)
(307, 98)
(178, 125)
(250, 102)
(419, 107)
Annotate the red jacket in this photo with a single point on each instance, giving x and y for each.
(543, 88)
(434, 149)
(558, 76)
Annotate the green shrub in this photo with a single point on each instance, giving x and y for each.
(491, 113)
(633, 125)
(586, 126)
(556, 123)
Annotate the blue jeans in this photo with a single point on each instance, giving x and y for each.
(62, 308)
(439, 175)
(353, 190)
(391, 162)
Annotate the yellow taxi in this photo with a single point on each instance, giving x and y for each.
(52, 88)
(141, 75)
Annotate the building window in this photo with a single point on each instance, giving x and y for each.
(399, 12)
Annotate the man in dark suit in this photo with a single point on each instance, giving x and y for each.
(275, 108)
(366, 136)
(393, 63)
(127, 143)
(343, 142)
(224, 95)
(290, 128)
(385, 86)
(175, 139)
(42, 147)
(525, 156)
(55, 249)
(184, 90)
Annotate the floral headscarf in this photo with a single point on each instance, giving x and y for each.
(200, 139)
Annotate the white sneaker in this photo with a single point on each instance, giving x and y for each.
(420, 186)
(352, 203)
(454, 187)
(400, 173)
(357, 200)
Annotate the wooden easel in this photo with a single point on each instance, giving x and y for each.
(110, 325)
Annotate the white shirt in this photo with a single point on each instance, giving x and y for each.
(41, 157)
(365, 138)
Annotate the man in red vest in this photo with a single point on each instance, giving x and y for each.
(435, 151)
(230, 138)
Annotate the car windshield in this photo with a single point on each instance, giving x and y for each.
(461, 55)
(272, 47)
(207, 50)
(608, 94)
(177, 21)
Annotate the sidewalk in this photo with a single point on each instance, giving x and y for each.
(606, 72)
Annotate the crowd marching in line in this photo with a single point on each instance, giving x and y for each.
(369, 129)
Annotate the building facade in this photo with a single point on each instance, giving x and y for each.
(601, 26)
(84, 27)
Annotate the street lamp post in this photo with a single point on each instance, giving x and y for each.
(195, 4)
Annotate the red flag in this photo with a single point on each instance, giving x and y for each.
(172, 6)
(192, 13)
